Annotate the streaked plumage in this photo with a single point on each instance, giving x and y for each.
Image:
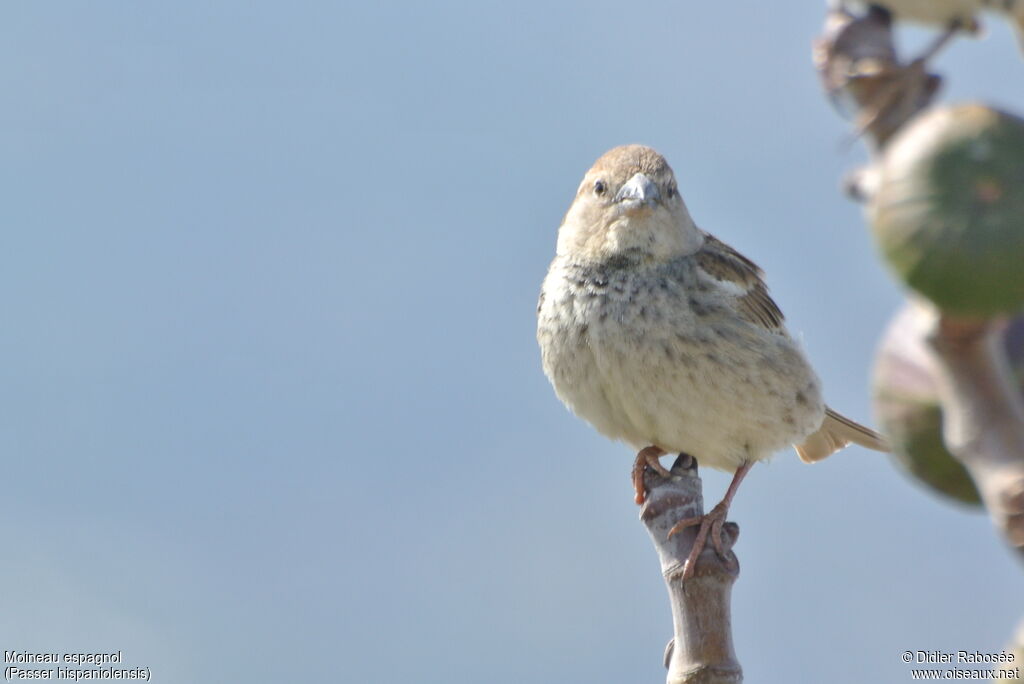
(661, 335)
(658, 333)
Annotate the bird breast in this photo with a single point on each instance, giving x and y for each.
(653, 355)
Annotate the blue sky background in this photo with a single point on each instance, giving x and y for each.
(272, 407)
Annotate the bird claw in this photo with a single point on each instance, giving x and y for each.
(710, 523)
(648, 456)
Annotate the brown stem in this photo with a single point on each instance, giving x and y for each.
(983, 416)
(858, 65)
(701, 651)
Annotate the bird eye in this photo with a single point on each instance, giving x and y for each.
(600, 188)
(671, 191)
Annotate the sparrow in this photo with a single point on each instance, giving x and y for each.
(662, 336)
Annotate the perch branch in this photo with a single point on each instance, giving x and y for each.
(701, 651)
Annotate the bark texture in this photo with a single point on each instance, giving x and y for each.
(701, 650)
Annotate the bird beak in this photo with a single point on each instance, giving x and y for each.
(639, 191)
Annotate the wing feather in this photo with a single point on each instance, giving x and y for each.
(721, 262)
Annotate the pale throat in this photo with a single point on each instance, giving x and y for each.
(661, 236)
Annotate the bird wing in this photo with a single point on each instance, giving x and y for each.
(723, 263)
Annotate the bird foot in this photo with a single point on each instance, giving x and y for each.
(710, 523)
(648, 456)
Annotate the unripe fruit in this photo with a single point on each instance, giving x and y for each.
(949, 211)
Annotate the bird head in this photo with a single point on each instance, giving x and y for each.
(628, 201)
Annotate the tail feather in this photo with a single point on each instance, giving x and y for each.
(836, 432)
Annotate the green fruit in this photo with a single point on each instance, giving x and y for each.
(949, 212)
(906, 400)
(907, 407)
(918, 450)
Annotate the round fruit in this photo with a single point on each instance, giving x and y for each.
(949, 211)
(907, 405)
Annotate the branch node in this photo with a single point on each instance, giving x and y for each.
(701, 650)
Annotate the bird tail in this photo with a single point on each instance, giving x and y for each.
(836, 432)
